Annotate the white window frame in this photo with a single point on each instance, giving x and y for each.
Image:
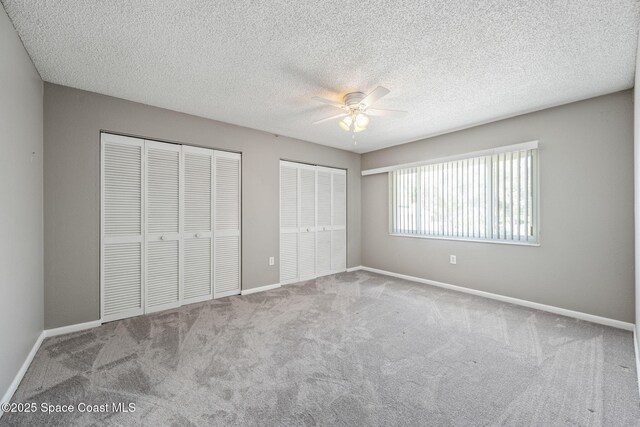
(533, 240)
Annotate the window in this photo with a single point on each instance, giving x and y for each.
(489, 196)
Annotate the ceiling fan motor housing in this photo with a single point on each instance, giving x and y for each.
(353, 99)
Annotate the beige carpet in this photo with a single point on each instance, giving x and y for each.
(349, 349)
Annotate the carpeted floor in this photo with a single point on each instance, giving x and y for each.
(349, 349)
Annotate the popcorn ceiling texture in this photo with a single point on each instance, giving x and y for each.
(258, 63)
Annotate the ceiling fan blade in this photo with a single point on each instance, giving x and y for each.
(376, 94)
(379, 112)
(337, 116)
(328, 102)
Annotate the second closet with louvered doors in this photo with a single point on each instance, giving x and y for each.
(170, 225)
(312, 221)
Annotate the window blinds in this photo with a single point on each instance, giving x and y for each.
(490, 197)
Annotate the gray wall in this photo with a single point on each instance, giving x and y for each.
(586, 258)
(72, 123)
(21, 207)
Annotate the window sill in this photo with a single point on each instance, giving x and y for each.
(462, 239)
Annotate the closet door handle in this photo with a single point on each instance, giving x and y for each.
(198, 235)
(163, 237)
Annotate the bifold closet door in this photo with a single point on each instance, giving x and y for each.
(313, 221)
(121, 266)
(339, 220)
(163, 224)
(170, 225)
(288, 222)
(323, 235)
(227, 221)
(198, 224)
(307, 232)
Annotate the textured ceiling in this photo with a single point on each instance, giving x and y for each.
(257, 63)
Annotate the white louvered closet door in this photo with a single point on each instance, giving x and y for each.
(323, 235)
(163, 224)
(339, 219)
(307, 232)
(288, 222)
(197, 234)
(122, 227)
(227, 239)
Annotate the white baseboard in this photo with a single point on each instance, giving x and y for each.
(71, 328)
(23, 370)
(350, 269)
(44, 334)
(260, 289)
(549, 308)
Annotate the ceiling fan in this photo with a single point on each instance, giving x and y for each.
(356, 109)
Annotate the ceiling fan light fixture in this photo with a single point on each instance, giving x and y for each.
(356, 109)
(346, 123)
(362, 120)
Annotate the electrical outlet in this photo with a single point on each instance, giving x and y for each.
(272, 260)
(453, 259)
